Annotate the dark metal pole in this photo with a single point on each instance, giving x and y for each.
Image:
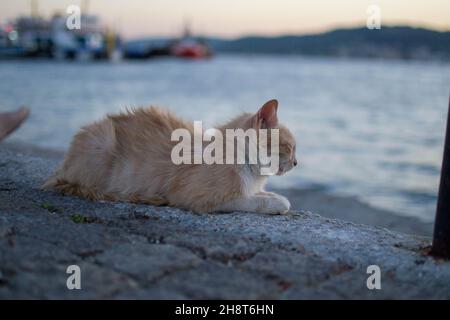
(441, 237)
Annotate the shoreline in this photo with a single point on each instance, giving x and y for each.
(351, 209)
(328, 205)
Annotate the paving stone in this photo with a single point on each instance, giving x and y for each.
(129, 251)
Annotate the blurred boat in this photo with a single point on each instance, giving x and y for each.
(162, 47)
(191, 49)
(146, 48)
(10, 44)
(36, 37)
(87, 43)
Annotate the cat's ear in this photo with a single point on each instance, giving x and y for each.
(267, 115)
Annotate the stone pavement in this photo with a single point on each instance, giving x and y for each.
(138, 251)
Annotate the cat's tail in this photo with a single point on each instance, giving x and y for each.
(61, 185)
(58, 184)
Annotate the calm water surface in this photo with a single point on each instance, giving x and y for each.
(366, 128)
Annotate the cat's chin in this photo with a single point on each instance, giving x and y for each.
(282, 172)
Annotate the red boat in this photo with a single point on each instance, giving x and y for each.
(190, 49)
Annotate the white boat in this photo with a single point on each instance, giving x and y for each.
(37, 37)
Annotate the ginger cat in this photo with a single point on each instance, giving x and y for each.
(127, 157)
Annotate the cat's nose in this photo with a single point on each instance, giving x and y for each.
(295, 162)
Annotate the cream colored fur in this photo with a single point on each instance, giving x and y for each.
(127, 157)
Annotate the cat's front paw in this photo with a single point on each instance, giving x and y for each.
(278, 205)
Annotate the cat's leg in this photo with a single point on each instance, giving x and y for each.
(274, 195)
(258, 203)
(270, 194)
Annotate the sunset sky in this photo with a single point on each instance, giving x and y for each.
(233, 18)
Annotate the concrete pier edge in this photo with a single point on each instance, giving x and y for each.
(144, 252)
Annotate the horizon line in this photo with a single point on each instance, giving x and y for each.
(299, 34)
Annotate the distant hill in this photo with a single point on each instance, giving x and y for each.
(388, 42)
